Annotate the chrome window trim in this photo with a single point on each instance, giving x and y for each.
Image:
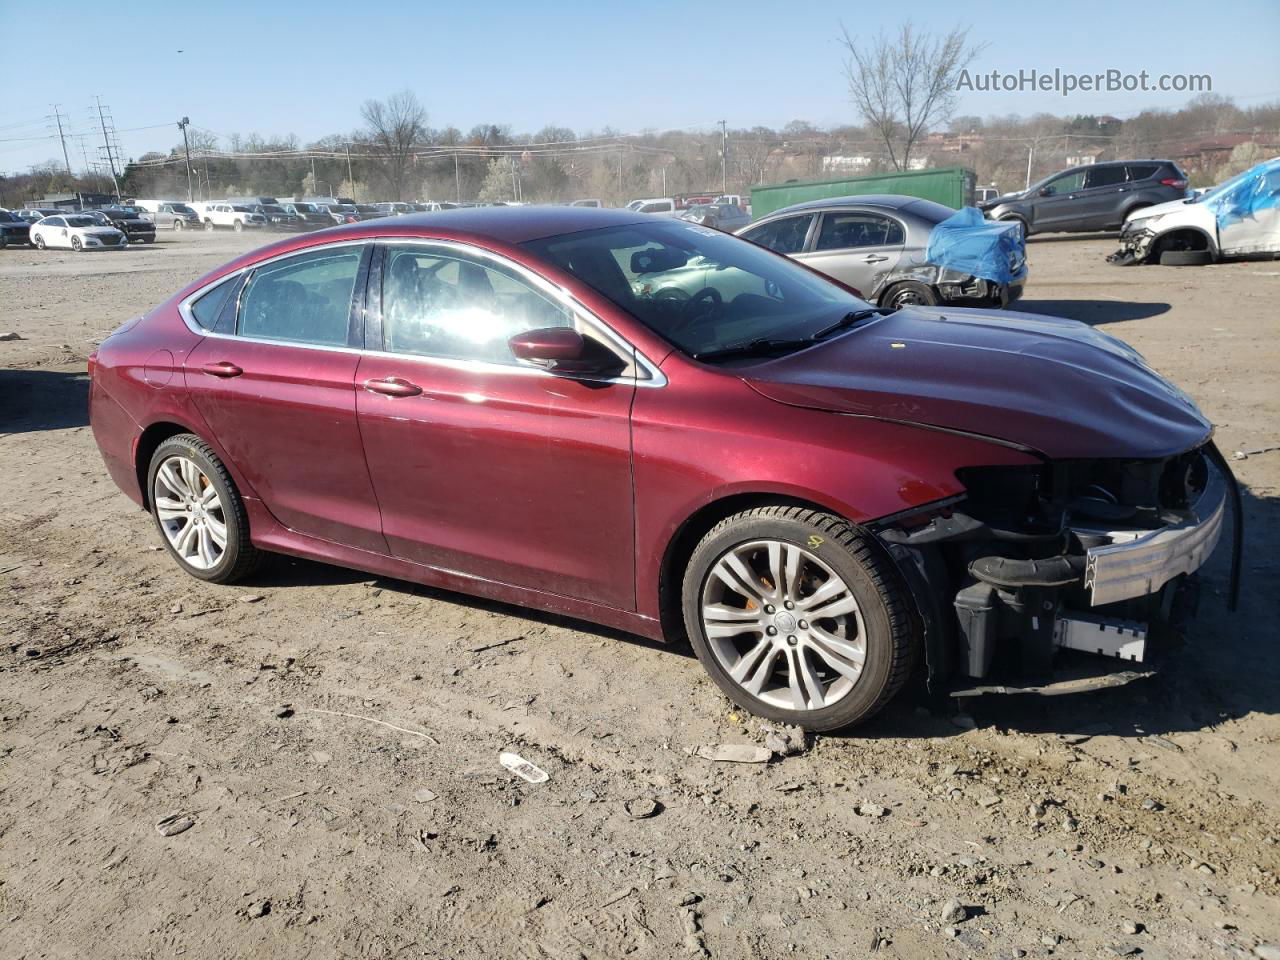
(654, 376)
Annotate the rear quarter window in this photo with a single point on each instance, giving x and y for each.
(1142, 171)
(206, 309)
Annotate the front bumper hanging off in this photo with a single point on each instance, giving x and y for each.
(1104, 596)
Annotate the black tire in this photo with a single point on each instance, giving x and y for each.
(892, 637)
(240, 557)
(909, 293)
(238, 227)
(39, 241)
(150, 239)
(208, 226)
(76, 245)
(1186, 258)
(4, 241)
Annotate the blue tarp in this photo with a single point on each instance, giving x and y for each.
(967, 243)
(1240, 198)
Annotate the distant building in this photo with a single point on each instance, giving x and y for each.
(845, 164)
(1082, 159)
(72, 202)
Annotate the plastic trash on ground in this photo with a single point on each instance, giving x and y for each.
(968, 243)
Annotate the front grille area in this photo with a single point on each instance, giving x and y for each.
(109, 241)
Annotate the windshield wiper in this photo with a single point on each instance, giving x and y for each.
(754, 348)
(848, 320)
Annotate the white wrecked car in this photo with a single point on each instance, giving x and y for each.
(1239, 218)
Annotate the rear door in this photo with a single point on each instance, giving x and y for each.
(859, 247)
(1102, 201)
(278, 391)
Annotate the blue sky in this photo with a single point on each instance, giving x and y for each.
(305, 68)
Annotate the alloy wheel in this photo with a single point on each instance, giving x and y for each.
(190, 512)
(784, 625)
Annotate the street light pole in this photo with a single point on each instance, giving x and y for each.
(186, 145)
(724, 158)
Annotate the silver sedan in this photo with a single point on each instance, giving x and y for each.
(876, 244)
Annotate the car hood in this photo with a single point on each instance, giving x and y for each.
(1055, 386)
(1164, 209)
(97, 231)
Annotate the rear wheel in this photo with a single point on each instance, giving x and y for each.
(199, 512)
(909, 293)
(798, 617)
(208, 226)
(238, 227)
(178, 225)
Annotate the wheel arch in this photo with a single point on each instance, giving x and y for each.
(1160, 242)
(147, 444)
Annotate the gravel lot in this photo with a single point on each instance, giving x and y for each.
(329, 740)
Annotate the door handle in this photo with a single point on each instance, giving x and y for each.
(222, 368)
(873, 258)
(393, 387)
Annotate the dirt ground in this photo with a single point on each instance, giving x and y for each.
(331, 739)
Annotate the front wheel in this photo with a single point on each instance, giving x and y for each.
(208, 226)
(39, 241)
(799, 617)
(76, 245)
(199, 512)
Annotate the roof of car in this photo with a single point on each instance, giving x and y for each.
(505, 224)
(891, 201)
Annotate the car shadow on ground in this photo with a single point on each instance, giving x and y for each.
(1093, 312)
(35, 400)
(283, 572)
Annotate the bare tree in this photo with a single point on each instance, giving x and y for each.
(393, 129)
(905, 83)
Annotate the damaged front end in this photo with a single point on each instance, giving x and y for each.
(1137, 243)
(1096, 556)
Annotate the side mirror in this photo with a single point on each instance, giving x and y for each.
(563, 350)
(1047, 191)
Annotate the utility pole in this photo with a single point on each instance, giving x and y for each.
(182, 125)
(111, 161)
(65, 159)
(350, 179)
(457, 178)
(1031, 152)
(724, 157)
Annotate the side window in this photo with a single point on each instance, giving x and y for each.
(1067, 184)
(57, 222)
(841, 231)
(1104, 177)
(436, 303)
(304, 299)
(782, 236)
(1142, 171)
(209, 306)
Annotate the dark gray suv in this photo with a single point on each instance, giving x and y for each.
(1094, 197)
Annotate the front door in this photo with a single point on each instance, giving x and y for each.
(1100, 205)
(857, 247)
(1055, 206)
(484, 464)
(279, 395)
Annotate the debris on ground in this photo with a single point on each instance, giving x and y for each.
(523, 768)
(734, 753)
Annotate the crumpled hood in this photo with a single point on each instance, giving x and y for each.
(1056, 386)
(1159, 210)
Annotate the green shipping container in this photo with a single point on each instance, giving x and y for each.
(952, 186)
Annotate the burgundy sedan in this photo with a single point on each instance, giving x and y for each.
(659, 427)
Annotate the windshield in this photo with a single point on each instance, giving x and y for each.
(701, 289)
(81, 222)
(270, 208)
(180, 208)
(342, 208)
(304, 208)
(7, 217)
